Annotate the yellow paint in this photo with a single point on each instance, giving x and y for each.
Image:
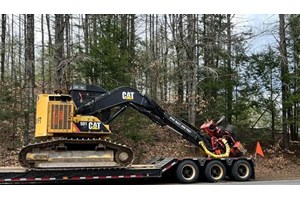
(37, 156)
(55, 115)
(106, 126)
(129, 98)
(225, 155)
(42, 116)
(89, 118)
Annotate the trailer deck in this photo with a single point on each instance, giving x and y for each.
(187, 170)
(15, 175)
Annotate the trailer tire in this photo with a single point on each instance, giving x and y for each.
(187, 171)
(241, 170)
(214, 171)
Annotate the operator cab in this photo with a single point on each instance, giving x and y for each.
(82, 94)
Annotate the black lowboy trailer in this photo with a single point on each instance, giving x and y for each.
(187, 170)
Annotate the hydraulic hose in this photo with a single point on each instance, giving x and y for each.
(224, 155)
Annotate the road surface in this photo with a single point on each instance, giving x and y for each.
(174, 182)
(254, 182)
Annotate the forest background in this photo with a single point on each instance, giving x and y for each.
(198, 66)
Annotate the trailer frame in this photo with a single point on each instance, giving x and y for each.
(155, 169)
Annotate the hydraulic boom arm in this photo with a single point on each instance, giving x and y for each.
(125, 96)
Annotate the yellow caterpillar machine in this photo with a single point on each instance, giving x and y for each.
(72, 130)
(68, 139)
(72, 142)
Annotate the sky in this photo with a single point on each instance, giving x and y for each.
(264, 27)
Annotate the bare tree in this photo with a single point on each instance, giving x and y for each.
(229, 86)
(3, 36)
(176, 24)
(191, 71)
(285, 81)
(59, 47)
(50, 50)
(43, 54)
(165, 60)
(67, 77)
(29, 73)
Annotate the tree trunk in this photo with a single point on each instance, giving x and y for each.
(191, 71)
(229, 85)
(20, 58)
(12, 55)
(177, 30)
(29, 74)
(85, 24)
(68, 53)
(284, 81)
(14, 83)
(272, 108)
(59, 41)
(43, 54)
(165, 57)
(30, 23)
(132, 46)
(50, 50)
(147, 56)
(3, 36)
(153, 63)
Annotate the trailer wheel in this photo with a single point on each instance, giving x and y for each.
(215, 171)
(187, 172)
(241, 170)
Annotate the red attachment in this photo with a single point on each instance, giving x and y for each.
(218, 152)
(216, 135)
(237, 144)
(206, 127)
(211, 129)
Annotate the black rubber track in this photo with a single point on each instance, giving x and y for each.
(74, 141)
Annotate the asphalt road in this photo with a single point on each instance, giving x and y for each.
(254, 182)
(174, 182)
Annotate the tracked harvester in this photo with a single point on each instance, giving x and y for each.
(72, 130)
(65, 138)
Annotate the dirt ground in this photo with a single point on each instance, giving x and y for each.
(281, 167)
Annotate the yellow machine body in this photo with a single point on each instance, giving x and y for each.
(55, 115)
